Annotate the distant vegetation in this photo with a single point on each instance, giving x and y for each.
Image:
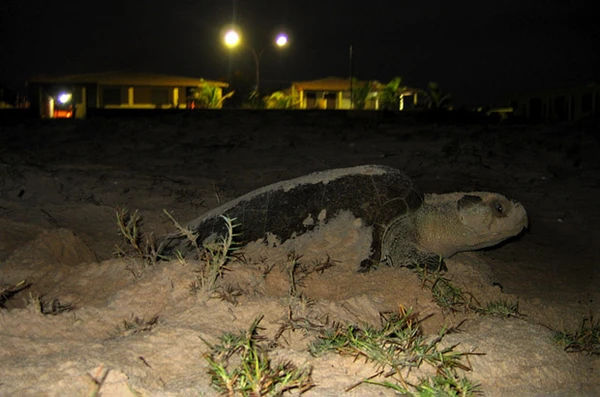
(281, 100)
(360, 92)
(209, 96)
(389, 95)
(435, 98)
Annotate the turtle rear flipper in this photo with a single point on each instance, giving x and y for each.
(374, 259)
(367, 265)
(429, 261)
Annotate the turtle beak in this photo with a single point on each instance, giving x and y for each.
(525, 220)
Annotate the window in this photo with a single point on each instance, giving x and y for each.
(142, 95)
(160, 96)
(587, 103)
(535, 109)
(561, 108)
(331, 100)
(111, 96)
(311, 99)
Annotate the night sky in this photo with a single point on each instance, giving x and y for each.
(478, 51)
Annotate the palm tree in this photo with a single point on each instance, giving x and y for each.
(435, 99)
(279, 100)
(389, 95)
(360, 91)
(208, 96)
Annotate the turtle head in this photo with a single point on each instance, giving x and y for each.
(455, 222)
(487, 219)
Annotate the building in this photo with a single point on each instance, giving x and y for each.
(335, 93)
(8, 97)
(77, 95)
(561, 104)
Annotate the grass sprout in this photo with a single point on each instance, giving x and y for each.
(446, 295)
(213, 258)
(239, 365)
(500, 308)
(585, 339)
(135, 242)
(453, 299)
(40, 304)
(397, 348)
(136, 325)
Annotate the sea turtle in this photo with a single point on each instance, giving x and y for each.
(408, 228)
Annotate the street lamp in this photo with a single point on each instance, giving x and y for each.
(232, 39)
(281, 40)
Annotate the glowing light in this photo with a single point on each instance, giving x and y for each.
(65, 97)
(232, 38)
(281, 40)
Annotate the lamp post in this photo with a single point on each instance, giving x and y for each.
(232, 39)
(351, 59)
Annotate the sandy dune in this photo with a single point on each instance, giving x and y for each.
(61, 183)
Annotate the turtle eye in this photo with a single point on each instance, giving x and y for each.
(498, 207)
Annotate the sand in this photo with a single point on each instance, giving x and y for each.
(61, 184)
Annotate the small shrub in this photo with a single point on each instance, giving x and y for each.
(213, 258)
(585, 339)
(239, 365)
(298, 316)
(136, 325)
(446, 295)
(452, 298)
(397, 348)
(40, 304)
(500, 308)
(136, 242)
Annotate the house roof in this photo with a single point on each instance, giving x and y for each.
(339, 84)
(326, 84)
(125, 78)
(558, 90)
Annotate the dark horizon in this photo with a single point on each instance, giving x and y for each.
(478, 53)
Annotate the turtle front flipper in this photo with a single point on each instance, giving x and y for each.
(400, 248)
(402, 253)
